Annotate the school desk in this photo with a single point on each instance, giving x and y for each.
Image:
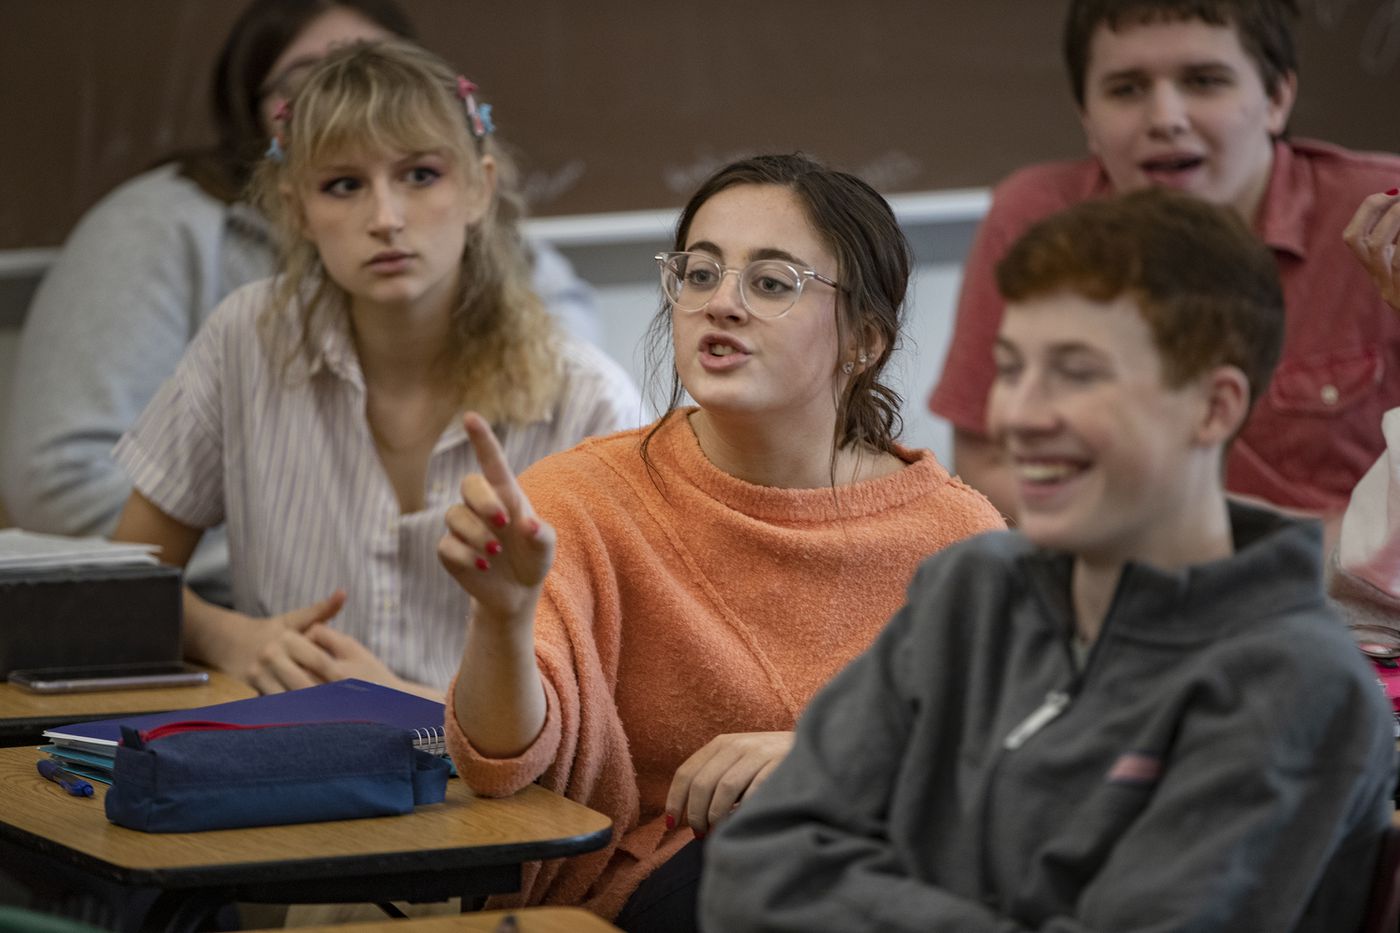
(24, 715)
(468, 846)
(527, 920)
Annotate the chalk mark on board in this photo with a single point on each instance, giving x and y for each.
(888, 171)
(1380, 46)
(1380, 38)
(544, 187)
(891, 171)
(683, 179)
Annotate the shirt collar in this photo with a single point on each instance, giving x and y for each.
(1285, 210)
(332, 349)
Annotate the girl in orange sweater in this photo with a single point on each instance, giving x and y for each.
(654, 608)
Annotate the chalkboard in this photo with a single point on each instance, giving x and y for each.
(624, 104)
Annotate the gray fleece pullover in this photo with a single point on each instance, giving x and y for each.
(1223, 762)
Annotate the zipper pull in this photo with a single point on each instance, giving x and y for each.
(1053, 705)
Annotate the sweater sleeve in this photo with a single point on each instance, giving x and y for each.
(501, 777)
(1257, 806)
(578, 609)
(108, 324)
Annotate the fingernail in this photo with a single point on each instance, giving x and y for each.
(483, 564)
(1393, 192)
(670, 821)
(493, 548)
(499, 519)
(532, 527)
(698, 834)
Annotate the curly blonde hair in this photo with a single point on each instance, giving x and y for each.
(392, 96)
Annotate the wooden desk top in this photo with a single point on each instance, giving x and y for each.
(463, 832)
(528, 920)
(25, 714)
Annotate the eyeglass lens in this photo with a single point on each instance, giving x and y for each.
(768, 287)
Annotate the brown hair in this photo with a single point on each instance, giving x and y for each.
(395, 96)
(258, 38)
(1265, 28)
(872, 264)
(1207, 287)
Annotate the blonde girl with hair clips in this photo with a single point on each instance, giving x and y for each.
(146, 267)
(317, 413)
(656, 607)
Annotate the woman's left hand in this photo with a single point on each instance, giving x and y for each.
(714, 779)
(1374, 236)
(343, 656)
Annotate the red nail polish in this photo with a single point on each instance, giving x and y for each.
(698, 834)
(670, 821)
(493, 548)
(483, 564)
(1393, 192)
(533, 527)
(499, 519)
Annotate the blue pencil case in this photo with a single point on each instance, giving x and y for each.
(185, 777)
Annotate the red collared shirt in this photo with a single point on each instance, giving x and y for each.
(1318, 427)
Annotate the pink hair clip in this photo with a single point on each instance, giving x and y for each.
(276, 151)
(478, 117)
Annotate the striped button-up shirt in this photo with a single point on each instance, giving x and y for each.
(283, 455)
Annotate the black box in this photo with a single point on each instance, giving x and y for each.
(89, 616)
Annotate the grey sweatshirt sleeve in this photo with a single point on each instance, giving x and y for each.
(1266, 818)
(107, 325)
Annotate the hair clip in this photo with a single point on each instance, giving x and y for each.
(478, 117)
(275, 151)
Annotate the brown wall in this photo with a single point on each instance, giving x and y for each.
(624, 104)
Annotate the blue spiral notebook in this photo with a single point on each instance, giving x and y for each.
(341, 701)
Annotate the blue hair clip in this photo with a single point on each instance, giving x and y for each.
(274, 150)
(478, 116)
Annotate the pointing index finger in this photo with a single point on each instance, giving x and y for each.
(492, 461)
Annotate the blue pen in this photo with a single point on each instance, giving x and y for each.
(65, 779)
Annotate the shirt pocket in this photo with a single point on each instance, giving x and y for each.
(1324, 384)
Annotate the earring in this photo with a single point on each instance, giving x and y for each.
(863, 357)
(848, 367)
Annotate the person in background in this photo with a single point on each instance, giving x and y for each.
(1135, 713)
(1195, 95)
(1366, 581)
(316, 413)
(146, 266)
(655, 608)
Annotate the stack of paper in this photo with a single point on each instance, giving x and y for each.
(28, 550)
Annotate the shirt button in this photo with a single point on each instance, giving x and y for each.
(1330, 395)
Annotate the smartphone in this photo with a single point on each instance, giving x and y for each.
(115, 677)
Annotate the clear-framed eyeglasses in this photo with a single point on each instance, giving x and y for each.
(768, 287)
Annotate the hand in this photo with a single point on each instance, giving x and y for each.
(713, 780)
(1373, 235)
(274, 654)
(495, 545)
(343, 656)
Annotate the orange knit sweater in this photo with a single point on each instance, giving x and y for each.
(705, 606)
